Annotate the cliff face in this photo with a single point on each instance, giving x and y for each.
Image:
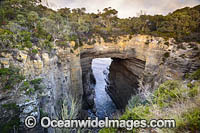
(140, 63)
(60, 72)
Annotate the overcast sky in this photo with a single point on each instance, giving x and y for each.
(126, 8)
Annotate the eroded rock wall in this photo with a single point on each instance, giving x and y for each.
(150, 60)
(123, 80)
(61, 77)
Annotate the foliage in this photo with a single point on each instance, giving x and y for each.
(168, 93)
(31, 86)
(13, 122)
(135, 101)
(10, 106)
(190, 121)
(10, 77)
(195, 75)
(70, 110)
(24, 24)
(171, 100)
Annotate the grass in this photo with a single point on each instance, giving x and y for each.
(172, 100)
(69, 111)
(195, 75)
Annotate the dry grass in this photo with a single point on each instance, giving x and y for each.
(176, 111)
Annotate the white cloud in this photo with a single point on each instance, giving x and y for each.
(126, 8)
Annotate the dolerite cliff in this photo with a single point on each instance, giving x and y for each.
(140, 64)
(61, 77)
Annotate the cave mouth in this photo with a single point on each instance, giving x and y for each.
(105, 107)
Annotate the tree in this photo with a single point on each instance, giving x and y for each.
(33, 17)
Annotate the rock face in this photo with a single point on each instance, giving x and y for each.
(61, 74)
(122, 80)
(141, 63)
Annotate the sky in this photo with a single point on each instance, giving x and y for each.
(126, 8)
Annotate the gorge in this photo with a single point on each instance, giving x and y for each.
(70, 64)
(143, 66)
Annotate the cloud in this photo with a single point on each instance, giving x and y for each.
(126, 8)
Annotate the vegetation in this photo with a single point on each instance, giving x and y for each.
(29, 24)
(10, 77)
(195, 75)
(13, 122)
(172, 100)
(31, 86)
(70, 110)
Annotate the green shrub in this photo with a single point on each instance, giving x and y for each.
(108, 130)
(195, 75)
(30, 91)
(21, 19)
(189, 121)
(43, 113)
(168, 93)
(138, 112)
(135, 100)
(193, 90)
(32, 16)
(28, 44)
(69, 110)
(31, 86)
(11, 106)
(10, 77)
(13, 121)
(34, 51)
(25, 85)
(37, 83)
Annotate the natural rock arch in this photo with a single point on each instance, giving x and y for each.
(152, 60)
(135, 55)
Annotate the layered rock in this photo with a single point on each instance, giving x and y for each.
(123, 80)
(146, 60)
(141, 63)
(61, 77)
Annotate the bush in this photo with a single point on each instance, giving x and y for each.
(36, 83)
(13, 121)
(34, 51)
(195, 75)
(31, 86)
(189, 121)
(32, 16)
(135, 100)
(10, 77)
(193, 89)
(168, 93)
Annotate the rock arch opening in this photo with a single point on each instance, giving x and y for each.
(122, 81)
(104, 105)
